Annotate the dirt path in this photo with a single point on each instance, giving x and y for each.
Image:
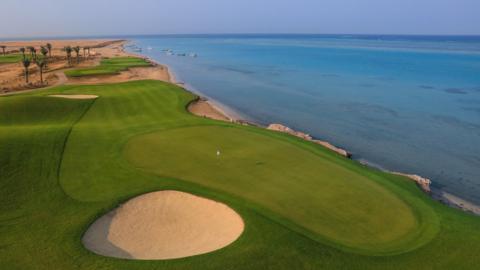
(62, 78)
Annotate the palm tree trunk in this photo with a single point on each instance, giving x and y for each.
(41, 76)
(26, 75)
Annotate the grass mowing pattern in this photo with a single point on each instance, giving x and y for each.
(42, 217)
(316, 193)
(10, 58)
(109, 66)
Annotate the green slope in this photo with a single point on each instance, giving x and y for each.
(66, 162)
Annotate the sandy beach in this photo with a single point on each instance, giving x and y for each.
(12, 75)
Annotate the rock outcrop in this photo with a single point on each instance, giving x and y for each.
(424, 183)
(285, 129)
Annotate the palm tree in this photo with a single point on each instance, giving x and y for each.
(68, 50)
(44, 52)
(3, 49)
(41, 64)
(32, 50)
(22, 50)
(33, 53)
(26, 64)
(84, 49)
(49, 47)
(77, 51)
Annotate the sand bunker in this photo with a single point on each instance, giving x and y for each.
(164, 225)
(75, 96)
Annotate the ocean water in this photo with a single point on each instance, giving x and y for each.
(402, 103)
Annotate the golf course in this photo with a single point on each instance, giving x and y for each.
(71, 154)
(109, 67)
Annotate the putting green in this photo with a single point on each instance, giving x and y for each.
(331, 201)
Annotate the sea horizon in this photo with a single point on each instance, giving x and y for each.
(455, 37)
(240, 135)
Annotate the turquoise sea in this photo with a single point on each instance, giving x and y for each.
(402, 103)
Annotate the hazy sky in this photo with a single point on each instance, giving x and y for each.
(23, 18)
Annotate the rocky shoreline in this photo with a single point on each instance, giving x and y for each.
(308, 137)
(423, 183)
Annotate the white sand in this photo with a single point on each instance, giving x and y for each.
(75, 96)
(164, 225)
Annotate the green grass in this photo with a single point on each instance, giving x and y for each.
(109, 66)
(66, 162)
(10, 58)
(304, 187)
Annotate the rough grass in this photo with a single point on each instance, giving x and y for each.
(66, 162)
(10, 58)
(109, 66)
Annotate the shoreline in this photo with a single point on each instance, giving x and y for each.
(207, 107)
(423, 183)
(215, 106)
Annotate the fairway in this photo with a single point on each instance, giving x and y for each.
(10, 58)
(67, 162)
(110, 66)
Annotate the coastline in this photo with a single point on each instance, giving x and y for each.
(215, 110)
(212, 108)
(204, 106)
